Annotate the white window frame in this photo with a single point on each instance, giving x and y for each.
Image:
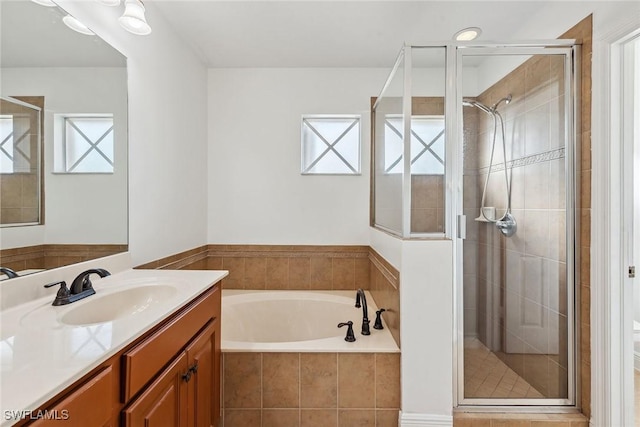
(60, 163)
(305, 169)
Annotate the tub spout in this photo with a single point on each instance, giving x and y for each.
(365, 314)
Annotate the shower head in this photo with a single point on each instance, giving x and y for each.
(506, 99)
(472, 103)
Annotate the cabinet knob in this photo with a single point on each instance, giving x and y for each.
(186, 377)
(194, 368)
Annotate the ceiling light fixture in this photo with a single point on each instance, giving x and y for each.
(76, 25)
(47, 3)
(467, 34)
(133, 19)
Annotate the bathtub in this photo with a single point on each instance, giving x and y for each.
(298, 321)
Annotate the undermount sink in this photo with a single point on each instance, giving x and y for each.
(127, 302)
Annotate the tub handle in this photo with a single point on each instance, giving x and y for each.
(378, 322)
(350, 336)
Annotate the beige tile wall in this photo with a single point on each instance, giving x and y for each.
(300, 268)
(53, 256)
(311, 389)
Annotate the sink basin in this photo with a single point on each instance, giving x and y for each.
(127, 302)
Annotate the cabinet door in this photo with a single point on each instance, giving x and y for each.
(201, 353)
(163, 403)
(84, 407)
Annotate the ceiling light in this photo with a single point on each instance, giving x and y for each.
(133, 19)
(467, 34)
(47, 3)
(76, 25)
(109, 2)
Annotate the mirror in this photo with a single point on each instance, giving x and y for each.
(69, 204)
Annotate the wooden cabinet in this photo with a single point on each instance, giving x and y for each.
(169, 377)
(85, 406)
(183, 394)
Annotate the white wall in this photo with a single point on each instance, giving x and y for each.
(256, 191)
(79, 208)
(167, 132)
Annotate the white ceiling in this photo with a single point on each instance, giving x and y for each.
(331, 33)
(35, 36)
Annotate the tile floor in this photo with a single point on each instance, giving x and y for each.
(486, 376)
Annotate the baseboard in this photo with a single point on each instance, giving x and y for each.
(425, 420)
(636, 360)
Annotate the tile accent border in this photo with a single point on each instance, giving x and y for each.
(547, 156)
(54, 255)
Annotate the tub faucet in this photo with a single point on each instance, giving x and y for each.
(8, 272)
(365, 314)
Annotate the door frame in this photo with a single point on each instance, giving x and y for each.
(611, 295)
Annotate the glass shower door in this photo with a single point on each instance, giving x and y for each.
(518, 179)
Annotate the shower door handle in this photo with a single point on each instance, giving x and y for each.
(462, 227)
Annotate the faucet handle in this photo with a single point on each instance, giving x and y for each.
(62, 297)
(378, 323)
(350, 336)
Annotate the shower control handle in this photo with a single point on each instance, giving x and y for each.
(350, 336)
(378, 323)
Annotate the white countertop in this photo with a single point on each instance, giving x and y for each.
(40, 356)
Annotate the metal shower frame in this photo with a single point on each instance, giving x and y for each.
(454, 227)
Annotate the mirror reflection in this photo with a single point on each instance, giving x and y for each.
(63, 136)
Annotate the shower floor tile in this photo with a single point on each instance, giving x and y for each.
(486, 376)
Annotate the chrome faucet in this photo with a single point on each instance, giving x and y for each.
(365, 314)
(81, 287)
(8, 272)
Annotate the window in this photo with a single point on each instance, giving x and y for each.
(15, 148)
(6, 144)
(331, 145)
(87, 144)
(427, 145)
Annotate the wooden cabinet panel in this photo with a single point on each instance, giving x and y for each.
(88, 405)
(200, 354)
(145, 360)
(162, 403)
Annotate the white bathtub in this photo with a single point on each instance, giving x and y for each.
(298, 321)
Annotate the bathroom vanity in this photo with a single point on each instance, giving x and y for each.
(150, 356)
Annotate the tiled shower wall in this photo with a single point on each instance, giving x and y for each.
(522, 277)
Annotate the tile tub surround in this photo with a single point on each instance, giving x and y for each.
(311, 389)
(299, 267)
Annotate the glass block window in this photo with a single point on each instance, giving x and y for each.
(88, 144)
(331, 145)
(427, 145)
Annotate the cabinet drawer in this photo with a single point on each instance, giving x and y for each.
(89, 405)
(146, 359)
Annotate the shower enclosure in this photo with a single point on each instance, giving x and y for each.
(478, 143)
